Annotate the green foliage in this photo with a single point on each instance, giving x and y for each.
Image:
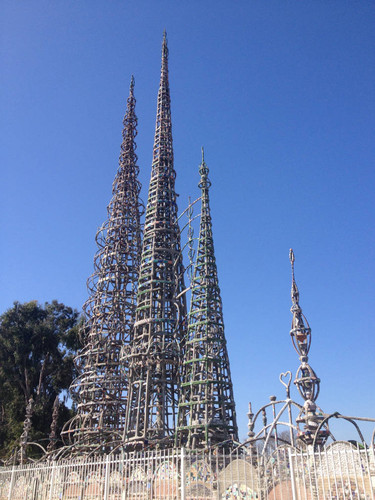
(37, 346)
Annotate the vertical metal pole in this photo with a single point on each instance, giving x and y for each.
(355, 470)
(52, 480)
(11, 483)
(292, 478)
(321, 473)
(371, 484)
(106, 477)
(365, 451)
(183, 493)
(35, 487)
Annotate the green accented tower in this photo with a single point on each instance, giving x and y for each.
(206, 410)
(154, 357)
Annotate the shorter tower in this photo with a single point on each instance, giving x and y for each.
(307, 382)
(207, 415)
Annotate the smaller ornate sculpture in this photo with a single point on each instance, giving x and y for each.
(308, 384)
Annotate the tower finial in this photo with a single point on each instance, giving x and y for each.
(294, 291)
(205, 182)
(164, 58)
(292, 259)
(300, 333)
(132, 82)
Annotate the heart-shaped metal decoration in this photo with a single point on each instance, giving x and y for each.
(285, 379)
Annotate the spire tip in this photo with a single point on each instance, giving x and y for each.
(294, 285)
(164, 48)
(291, 256)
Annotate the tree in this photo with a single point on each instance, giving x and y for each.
(37, 346)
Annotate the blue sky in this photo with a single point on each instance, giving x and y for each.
(281, 95)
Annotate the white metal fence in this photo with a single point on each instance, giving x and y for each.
(339, 472)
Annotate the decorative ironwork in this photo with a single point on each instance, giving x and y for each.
(53, 437)
(283, 430)
(308, 384)
(341, 472)
(207, 415)
(278, 431)
(100, 391)
(26, 430)
(155, 353)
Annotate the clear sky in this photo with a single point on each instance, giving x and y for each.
(281, 95)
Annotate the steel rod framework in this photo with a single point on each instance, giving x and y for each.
(207, 415)
(154, 356)
(100, 391)
(307, 382)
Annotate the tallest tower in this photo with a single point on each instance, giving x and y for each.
(154, 356)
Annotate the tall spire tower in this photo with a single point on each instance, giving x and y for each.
(100, 391)
(207, 415)
(155, 353)
(307, 382)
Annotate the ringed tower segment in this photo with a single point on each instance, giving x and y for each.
(100, 391)
(154, 356)
(206, 412)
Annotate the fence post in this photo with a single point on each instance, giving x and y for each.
(183, 493)
(292, 477)
(106, 477)
(11, 482)
(52, 485)
(35, 487)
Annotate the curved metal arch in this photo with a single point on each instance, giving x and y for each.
(268, 428)
(338, 415)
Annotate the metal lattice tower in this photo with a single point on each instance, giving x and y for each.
(207, 415)
(100, 391)
(307, 382)
(155, 353)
